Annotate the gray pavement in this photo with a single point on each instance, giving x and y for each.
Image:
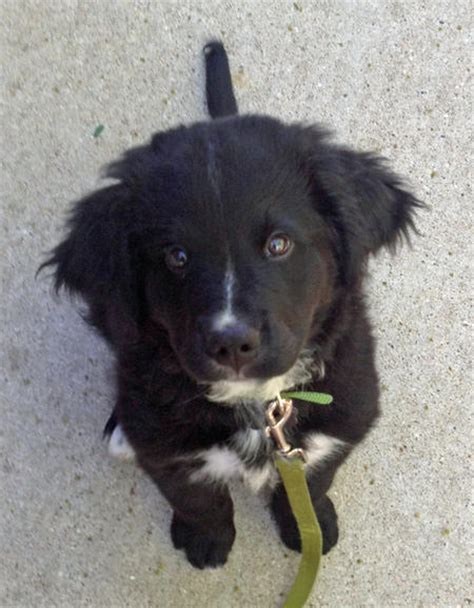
(78, 529)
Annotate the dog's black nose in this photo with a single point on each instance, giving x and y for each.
(234, 345)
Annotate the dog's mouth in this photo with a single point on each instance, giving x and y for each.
(247, 373)
(243, 391)
(245, 380)
(273, 370)
(248, 378)
(250, 390)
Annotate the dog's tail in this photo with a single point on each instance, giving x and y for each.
(219, 92)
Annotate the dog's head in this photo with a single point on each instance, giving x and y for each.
(233, 237)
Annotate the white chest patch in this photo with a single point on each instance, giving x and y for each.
(222, 464)
(248, 443)
(320, 447)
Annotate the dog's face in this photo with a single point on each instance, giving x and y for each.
(233, 237)
(237, 263)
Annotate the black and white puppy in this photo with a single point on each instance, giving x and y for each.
(225, 265)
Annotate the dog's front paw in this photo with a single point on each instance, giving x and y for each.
(287, 527)
(204, 548)
(289, 534)
(327, 518)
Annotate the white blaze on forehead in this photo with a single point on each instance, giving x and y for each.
(226, 316)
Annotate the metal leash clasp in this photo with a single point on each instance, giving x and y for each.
(277, 415)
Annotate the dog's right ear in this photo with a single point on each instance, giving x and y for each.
(95, 261)
(364, 203)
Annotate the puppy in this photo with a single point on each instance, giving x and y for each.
(224, 265)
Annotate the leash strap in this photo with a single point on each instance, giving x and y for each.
(294, 480)
(289, 462)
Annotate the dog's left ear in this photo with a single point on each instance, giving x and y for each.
(365, 204)
(95, 261)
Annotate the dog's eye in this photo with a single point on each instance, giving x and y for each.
(278, 245)
(176, 258)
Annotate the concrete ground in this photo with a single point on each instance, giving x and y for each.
(78, 529)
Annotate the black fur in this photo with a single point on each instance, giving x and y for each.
(220, 189)
(219, 93)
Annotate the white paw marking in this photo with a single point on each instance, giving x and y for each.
(119, 447)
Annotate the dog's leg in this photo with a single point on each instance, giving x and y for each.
(319, 482)
(203, 514)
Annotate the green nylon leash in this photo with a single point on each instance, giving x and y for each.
(290, 465)
(294, 479)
